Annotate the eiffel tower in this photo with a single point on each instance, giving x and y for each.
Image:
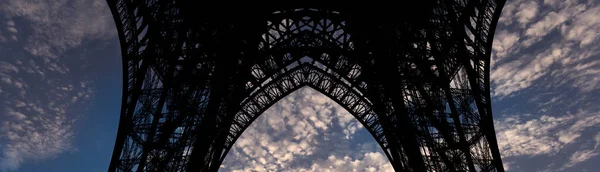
(414, 74)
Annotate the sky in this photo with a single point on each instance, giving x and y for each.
(61, 80)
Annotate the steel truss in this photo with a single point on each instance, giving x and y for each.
(418, 82)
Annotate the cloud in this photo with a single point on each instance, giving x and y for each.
(59, 25)
(552, 68)
(507, 165)
(555, 15)
(371, 162)
(508, 12)
(580, 156)
(33, 137)
(542, 135)
(526, 12)
(36, 113)
(11, 32)
(509, 77)
(503, 42)
(583, 28)
(534, 137)
(32, 129)
(305, 131)
(549, 22)
(523, 55)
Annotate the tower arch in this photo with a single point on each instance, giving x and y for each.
(189, 82)
(286, 62)
(301, 76)
(304, 130)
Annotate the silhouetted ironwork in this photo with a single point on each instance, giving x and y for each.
(416, 75)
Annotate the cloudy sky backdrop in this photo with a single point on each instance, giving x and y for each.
(60, 92)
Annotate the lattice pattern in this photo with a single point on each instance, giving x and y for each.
(306, 74)
(419, 84)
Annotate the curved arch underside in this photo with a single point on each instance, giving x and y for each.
(306, 131)
(418, 84)
(306, 75)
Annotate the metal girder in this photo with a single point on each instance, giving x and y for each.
(193, 82)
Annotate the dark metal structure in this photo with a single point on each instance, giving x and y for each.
(415, 74)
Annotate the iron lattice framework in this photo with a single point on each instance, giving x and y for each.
(416, 75)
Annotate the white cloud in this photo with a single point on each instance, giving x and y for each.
(33, 135)
(503, 42)
(556, 16)
(597, 138)
(509, 77)
(567, 56)
(583, 28)
(534, 137)
(583, 155)
(544, 135)
(371, 161)
(526, 12)
(580, 156)
(551, 2)
(507, 165)
(19, 104)
(12, 29)
(549, 22)
(37, 116)
(303, 132)
(61, 24)
(508, 12)
(16, 115)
